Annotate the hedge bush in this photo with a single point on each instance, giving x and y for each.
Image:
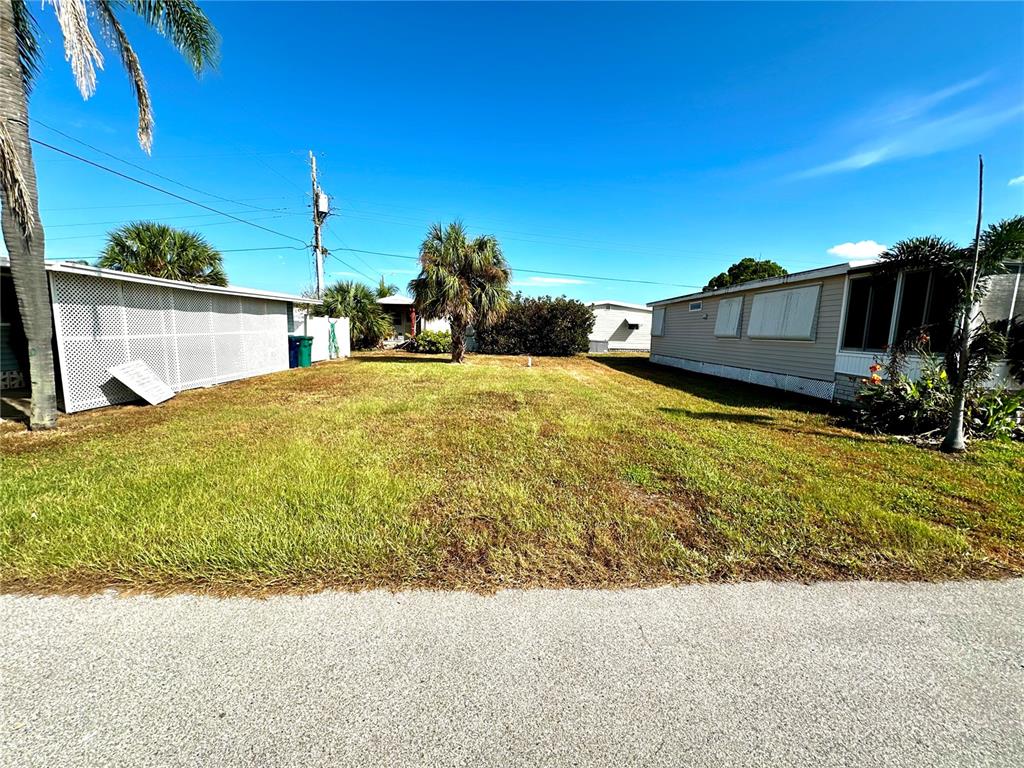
(556, 327)
(432, 342)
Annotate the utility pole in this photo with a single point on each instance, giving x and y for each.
(320, 210)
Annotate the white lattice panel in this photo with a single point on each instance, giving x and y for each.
(190, 338)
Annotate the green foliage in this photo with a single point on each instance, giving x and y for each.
(462, 279)
(150, 248)
(184, 24)
(431, 342)
(542, 325)
(892, 402)
(745, 270)
(369, 324)
(385, 289)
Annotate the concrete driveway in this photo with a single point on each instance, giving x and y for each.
(752, 674)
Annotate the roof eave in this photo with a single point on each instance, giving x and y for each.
(818, 273)
(230, 290)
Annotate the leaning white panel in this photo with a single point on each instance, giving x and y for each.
(189, 337)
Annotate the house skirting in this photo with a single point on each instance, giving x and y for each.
(824, 390)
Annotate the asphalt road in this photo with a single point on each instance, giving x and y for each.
(755, 674)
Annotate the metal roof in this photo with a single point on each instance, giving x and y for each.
(796, 277)
(114, 274)
(623, 304)
(395, 299)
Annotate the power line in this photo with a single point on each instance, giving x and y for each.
(200, 225)
(139, 205)
(162, 190)
(538, 271)
(280, 211)
(146, 170)
(349, 266)
(226, 250)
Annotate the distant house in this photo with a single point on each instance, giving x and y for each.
(405, 321)
(815, 332)
(619, 325)
(191, 335)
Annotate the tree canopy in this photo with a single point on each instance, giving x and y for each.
(151, 248)
(463, 279)
(745, 270)
(369, 324)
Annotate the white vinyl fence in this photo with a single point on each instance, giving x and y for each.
(191, 337)
(320, 328)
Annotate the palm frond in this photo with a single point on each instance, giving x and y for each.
(26, 30)
(119, 40)
(185, 24)
(79, 46)
(12, 177)
(923, 252)
(150, 248)
(1003, 242)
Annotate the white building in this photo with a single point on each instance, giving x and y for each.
(818, 332)
(620, 326)
(404, 318)
(191, 335)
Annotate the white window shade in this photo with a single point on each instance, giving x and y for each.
(727, 321)
(658, 322)
(790, 315)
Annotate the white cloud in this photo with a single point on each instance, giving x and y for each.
(911, 128)
(862, 249)
(540, 281)
(1015, 181)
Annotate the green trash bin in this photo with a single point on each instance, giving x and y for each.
(305, 351)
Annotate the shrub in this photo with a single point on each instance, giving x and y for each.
(541, 326)
(432, 342)
(891, 402)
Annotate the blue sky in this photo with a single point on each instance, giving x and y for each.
(646, 142)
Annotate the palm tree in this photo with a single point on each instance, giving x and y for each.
(188, 29)
(368, 323)
(968, 270)
(462, 279)
(385, 289)
(149, 248)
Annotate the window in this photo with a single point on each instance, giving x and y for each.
(788, 315)
(727, 321)
(632, 326)
(658, 322)
(869, 312)
(925, 305)
(696, 306)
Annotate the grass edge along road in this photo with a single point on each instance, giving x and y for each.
(390, 470)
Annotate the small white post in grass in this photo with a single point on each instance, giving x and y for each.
(529, 361)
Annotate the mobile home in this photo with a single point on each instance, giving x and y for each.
(620, 326)
(815, 332)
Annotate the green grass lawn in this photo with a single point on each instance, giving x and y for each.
(391, 470)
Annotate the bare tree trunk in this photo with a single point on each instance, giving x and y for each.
(954, 441)
(458, 340)
(26, 253)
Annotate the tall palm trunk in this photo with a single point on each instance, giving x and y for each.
(955, 442)
(26, 253)
(459, 326)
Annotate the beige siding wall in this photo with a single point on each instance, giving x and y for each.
(690, 336)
